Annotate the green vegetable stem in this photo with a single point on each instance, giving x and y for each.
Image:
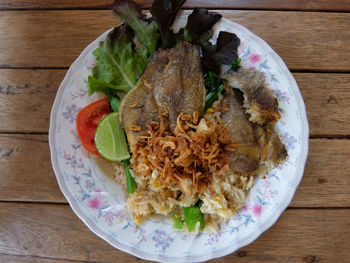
(214, 86)
(193, 215)
(177, 222)
(114, 102)
(130, 181)
(235, 64)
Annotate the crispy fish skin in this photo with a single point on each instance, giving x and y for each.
(138, 108)
(171, 84)
(259, 101)
(260, 146)
(246, 160)
(272, 150)
(179, 87)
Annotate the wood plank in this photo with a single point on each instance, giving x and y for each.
(26, 98)
(327, 169)
(33, 259)
(325, 182)
(25, 42)
(315, 5)
(53, 231)
(327, 100)
(320, 41)
(26, 172)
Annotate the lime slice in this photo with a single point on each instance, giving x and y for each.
(110, 139)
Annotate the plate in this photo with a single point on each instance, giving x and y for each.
(99, 201)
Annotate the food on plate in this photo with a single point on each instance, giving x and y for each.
(259, 101)
(171, 84)
(88, 119)
(198, 135)
(110, 139)
(260, 146)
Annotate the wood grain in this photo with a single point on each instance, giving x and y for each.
(309, 41)
(33, 259)
(327, 100)
(327, 169)
(26, 98)
(53, 231)
(26, 172)
(315, 5)
(325, 182)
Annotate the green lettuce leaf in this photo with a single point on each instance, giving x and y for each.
(146, 31)
(140, 61)
(118, 67)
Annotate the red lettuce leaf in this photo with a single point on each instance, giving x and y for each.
(164, 13)
(199, 22)
(223, 53)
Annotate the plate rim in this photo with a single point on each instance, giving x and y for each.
(214, 254)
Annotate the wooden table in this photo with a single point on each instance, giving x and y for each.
(39, 39)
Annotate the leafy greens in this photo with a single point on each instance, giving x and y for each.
(146, 31)
(118, 67)
(164, 13)
(199, 25)
(214, 86)
(223, 53)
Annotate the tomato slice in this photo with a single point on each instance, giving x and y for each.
(88, 119)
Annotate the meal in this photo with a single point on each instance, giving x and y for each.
(189, 129)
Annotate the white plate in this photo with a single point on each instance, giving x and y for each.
(87, 181)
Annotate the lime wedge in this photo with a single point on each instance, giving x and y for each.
(110, 139)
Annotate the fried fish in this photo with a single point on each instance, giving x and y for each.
(171, 84)
(260, 147)
(259, 101)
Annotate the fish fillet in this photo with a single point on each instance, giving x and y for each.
(171, 84)
(246, 160)
(259, 101)
(179, 87)
(260, 147)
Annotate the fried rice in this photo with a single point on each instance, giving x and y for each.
(177, 170)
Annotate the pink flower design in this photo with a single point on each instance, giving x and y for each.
(257, 209)
(91, 66)
(94, 203)
(254, 58)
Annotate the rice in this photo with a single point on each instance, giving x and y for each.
(222, 198)
(218, 206)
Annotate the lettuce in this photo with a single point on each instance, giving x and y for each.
(223, 53)
(164, 13)
(118, 66)
(146, 31)
(198, 23)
